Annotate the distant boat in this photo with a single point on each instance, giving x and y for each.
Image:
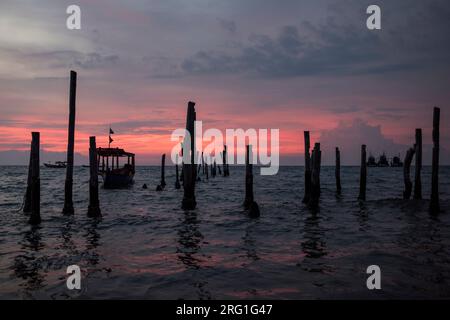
(396, 162)
(114, 176)
(371, 161)
(56, 165)
(383, 162)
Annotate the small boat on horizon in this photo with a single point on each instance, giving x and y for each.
(56, 165)
(383, 161)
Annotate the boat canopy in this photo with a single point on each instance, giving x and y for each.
(113, 152)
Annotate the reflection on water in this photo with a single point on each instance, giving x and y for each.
(188, 252)
(250, 242)
(189, 238)
(27, 264)
(92, 242)
(145, 245)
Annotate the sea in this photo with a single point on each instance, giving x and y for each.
(146, 247)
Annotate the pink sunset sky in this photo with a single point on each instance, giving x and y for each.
(299, 65)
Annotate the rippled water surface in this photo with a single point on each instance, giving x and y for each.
(145, 246)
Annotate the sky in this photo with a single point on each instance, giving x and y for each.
(290, 65)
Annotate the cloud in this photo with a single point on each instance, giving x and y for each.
(350, 136)
(228, 25)
(335, 47)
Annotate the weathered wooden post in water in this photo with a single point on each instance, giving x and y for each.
(162, 183)
(225, 165)
(316, 160)
(406, 173)
(189, 166)
(363, 174)
(68, 189)
(418, 180)
(307, 168)
(434, 201)
(35, 216)
(27, 204)
(214, 168)
(337, 170)
(94, 203)
(249, 202)
(177, 181)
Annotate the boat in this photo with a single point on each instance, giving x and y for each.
(371, 161)
(383, 162)
(396, 162)
(56, 165)
(114, 176)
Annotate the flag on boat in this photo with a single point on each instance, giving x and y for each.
(111, 131)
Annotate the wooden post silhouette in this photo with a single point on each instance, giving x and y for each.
(206, 170)
(406, 173)
(27, 204)
(338, 171)
(203, 164)
(434, 201)
(249, 202)
(182, 164)
(162, 183)
(225, 161)
(220, 171)
(68, 190)
(94, 204)
(163, 170)
(417, 180)
(315, 176)
(214, 169)
(189, 169)
(35, 216)
(363, 174)
(177, 181)
(307, 168)
(248, 178)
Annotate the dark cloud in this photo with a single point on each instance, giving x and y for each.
(336, 47)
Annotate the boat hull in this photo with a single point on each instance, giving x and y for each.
(117, 181)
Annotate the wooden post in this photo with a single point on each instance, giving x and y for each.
(307, 168)
(315, 177)
(203, 164)
(249, 202)
(338, 171)
(206, 170)
(162, 183)
(189, 169)
(225, 166)
(177, 181)
(434, 201)
(406, 173)
(214, 169)
(68, 190)
(182, 164)
(94, 204)
(220, 171)
(27, 204)
(35, 216)
(417, 180)
(363, 174)
(163, 170)
(248, 179)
